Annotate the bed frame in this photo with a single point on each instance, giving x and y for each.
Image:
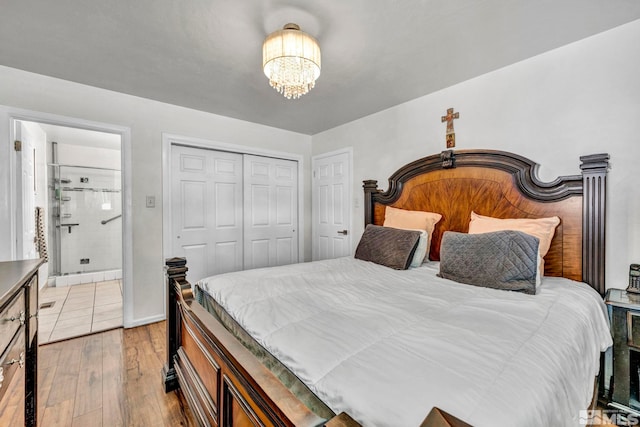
(225, 385)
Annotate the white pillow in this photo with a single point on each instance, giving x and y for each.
(421, 250)
(412, 220)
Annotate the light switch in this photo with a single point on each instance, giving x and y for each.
(151, 201)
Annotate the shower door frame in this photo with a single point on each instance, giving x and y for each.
(57, 232)
(18, 114)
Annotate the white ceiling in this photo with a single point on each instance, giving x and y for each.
(206, 54)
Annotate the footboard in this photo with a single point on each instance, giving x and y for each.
(224, 384)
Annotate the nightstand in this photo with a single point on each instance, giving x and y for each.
(624, 314)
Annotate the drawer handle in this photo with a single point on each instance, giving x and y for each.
(21, 318)
(20, 361)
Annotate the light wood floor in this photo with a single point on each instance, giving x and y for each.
(108, 379)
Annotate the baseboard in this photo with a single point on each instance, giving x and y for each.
(144, 321)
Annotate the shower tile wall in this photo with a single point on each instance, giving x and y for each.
(88, 197)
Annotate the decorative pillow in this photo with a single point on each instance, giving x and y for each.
(388, 246)
(542, 228)
(421, 250)
(412, 220)
(505, 260)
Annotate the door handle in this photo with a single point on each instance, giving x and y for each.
(343, 232)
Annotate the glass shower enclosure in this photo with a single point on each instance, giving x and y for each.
(85, 214)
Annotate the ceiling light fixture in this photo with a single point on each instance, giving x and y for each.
(291, 61)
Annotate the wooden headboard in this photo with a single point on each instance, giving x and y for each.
(505, 185)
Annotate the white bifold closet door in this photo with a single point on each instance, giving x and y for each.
(206, 211)
(231, 211)
(271, 212)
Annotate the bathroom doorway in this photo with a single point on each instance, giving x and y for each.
(73, 204)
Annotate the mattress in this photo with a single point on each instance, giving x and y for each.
(386, 346)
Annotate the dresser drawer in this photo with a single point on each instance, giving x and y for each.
(12, 361)
(11, 318)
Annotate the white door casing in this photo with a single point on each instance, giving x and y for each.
(331, 207)
(25, 193)
(206, 211)
(271, 211)
(8, 171)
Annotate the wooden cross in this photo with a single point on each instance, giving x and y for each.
(449, 118)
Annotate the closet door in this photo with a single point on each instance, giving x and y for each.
(271, 212)
(206, 211)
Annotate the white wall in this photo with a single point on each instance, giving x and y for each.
(580, 99)
(147, 120)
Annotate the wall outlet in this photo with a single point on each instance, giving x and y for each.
(84, 261)
(151, 201)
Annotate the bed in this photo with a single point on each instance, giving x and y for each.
(243, 356)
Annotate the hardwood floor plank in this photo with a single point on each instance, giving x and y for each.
(113, 408)
(48, 356)
(45, 382)
(89, 419)
(158, 340)
(89, 388)
(145, 413)
(153, 408)
(13, 412)
(59, 415)
(66, 376)
(108, 379)
(175, 410)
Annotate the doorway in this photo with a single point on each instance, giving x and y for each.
(69, 202)
(331, 204)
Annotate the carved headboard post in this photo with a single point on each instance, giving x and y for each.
(370, 186)
(594, 175)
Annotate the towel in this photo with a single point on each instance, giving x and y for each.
(41, 240)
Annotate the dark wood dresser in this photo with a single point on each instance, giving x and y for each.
(18, 341)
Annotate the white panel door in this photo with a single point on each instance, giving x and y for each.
(26, 193)
(206, 210)
(271, 212)
(331, 210)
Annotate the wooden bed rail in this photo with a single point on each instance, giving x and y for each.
(226, 385)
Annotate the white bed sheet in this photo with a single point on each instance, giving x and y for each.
(386, 346)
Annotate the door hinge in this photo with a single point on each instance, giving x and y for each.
(17, 145)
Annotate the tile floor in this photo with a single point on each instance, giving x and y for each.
(79, 310)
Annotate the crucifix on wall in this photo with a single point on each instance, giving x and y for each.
(451, 135)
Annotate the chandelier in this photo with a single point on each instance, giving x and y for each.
(291, 61)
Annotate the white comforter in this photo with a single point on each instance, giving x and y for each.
(386, 346)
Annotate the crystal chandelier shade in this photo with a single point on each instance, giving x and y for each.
(291, 61)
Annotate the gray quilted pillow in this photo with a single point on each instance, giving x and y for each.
(388, 246)
(500, 260)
